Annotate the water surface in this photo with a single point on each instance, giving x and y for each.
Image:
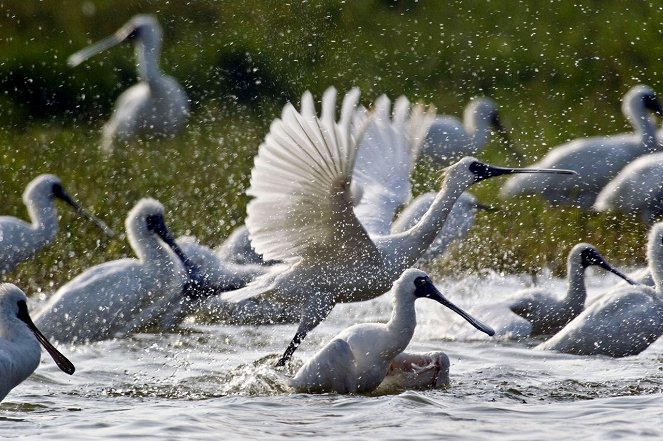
(214, 381)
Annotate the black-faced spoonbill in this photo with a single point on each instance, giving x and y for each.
(546, 313)
(622, 322)
(636, 190)
(20, 240)
(118, 297)
(155, 106)
(302, 214)
(19, 341)
(597, 160)
(449, 139)
(359, 358)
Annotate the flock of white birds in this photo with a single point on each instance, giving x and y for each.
(345, 229)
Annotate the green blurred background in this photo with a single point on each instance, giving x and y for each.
(557, 69)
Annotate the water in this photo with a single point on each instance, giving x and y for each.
(216, 382)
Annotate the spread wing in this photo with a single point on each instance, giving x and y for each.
(302, 206)
(386, 157)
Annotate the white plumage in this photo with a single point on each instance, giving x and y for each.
(359, 358)
(458, 224)
(302, 214)
(623, 322)
(19, 341)
(155, 106)
(118, 297)
(597, 160)
(536, 311)
(449, 139)
(636, 190)
(20, 240)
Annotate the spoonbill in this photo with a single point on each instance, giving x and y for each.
(637, 189)
(19, 341)
(302, 214)
(20, 240)
(537, 311)
(597, 160)
(359, 358)
(449, 139)
(155, 106)
(458, 224)
(623, 322)
(117, 297)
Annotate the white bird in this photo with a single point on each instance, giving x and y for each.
(20, 240)
(636, 190)
(155, 106)
(623, 322)
(458, 224)
(302, 214)
(118, 297)
(537, 311)
(449, 139)
(597, 160)
(19, 341)
(381, 176)
(359, 358)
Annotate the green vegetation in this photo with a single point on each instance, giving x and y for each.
(557, 69)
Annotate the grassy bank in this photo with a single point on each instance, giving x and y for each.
(558, 71)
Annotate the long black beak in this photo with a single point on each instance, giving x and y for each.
(597, 259)
(63, 362)
(158, 225)
(484, 171)
(59, 193)
(196, 287)
(484, 207)
(425, 288)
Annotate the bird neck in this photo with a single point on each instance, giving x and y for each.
(147, 61)
(401, 325)
(406, 247)
(148, 247)
(477, 128)
(43, 216)
(577, 291)
(642, 124)
(655, 262)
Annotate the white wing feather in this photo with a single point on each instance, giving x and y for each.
(301, 186)
(385, 160)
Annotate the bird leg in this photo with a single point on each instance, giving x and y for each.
(314, 311)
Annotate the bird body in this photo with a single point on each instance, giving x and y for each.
(623, 322)
(359, 358)
(19, 341)
(155, 106)
(597, 160)
(115, 298)
(449, 138)
(637, 189)
(537, 311)
(304, 167)
(20, 240)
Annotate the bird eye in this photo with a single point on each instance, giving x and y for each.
(420, 281)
